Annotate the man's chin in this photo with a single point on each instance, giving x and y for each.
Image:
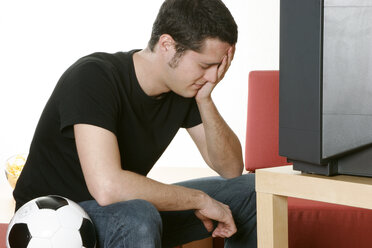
(188, 94)
(192, 94)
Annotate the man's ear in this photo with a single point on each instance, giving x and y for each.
(166, 44)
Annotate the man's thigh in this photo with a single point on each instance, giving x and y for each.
(234, 192)
(183, 226)
(134, 223)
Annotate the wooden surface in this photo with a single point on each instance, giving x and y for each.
(274, 185)
(272, 220)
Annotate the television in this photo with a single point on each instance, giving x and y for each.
(325, 86)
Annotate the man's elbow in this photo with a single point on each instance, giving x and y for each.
(103, 194)
(232, 173)
(230, 170)
(103, 201)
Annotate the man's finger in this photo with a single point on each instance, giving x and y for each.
(230, 56)
(232, 52)
(208, 224)
(222, 233)
(224, 230)
(226, 62)
(222, 68)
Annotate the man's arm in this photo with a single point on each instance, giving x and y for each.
(218, 144)
(108, 183)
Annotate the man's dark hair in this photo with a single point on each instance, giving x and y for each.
(190, 22)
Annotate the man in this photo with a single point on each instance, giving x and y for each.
(110, 118)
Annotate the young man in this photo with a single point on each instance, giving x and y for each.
(110, 118)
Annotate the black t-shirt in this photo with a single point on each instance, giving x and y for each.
(102, 90)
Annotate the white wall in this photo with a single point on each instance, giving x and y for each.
(39, 39)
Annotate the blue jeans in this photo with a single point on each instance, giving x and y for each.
(137, 223)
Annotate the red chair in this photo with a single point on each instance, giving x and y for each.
(3, 228)
(311, 224)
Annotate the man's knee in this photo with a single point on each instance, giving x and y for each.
(148, 217)
(242, 187)
(246, 181)
(144, 218)
(134, 223)
(242, 196)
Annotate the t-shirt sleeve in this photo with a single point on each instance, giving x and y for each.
(193, 116)
(88, 95)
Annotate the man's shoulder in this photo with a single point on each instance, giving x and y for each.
(97, 62)
(105, 57)
(118, 62)
(100, 59)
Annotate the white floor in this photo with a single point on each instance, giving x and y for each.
(162, 174)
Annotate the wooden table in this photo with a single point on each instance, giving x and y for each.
(274, 185)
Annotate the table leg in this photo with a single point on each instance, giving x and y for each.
(272, 221)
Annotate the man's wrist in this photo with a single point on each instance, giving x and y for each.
(204, 100)
(201, 200)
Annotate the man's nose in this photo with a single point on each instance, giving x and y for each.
(211, 74)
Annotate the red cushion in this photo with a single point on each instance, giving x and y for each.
(262, 136)
(3, 228)
(318, 224)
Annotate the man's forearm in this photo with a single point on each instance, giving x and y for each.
(127, 185)
(172, 198)
(223, 146)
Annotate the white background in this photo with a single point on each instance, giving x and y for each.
(39, 39)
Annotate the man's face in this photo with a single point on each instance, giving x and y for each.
(190, 72)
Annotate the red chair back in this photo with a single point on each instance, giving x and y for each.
(3, 228)
(262, 136)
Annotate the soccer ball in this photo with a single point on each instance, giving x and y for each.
(50, 222)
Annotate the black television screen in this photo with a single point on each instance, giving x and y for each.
(325, 89)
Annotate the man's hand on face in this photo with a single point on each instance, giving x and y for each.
(205, 91)
(215, 210)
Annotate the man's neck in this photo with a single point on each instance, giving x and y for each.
(149, 72)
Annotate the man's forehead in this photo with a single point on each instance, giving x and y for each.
(214, 43)
(211, 52)
(203, 57)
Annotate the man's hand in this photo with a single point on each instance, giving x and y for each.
(215, 210)
(206, 90)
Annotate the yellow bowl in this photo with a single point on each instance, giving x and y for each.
(13, 168)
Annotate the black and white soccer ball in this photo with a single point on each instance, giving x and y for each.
(50, 222)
